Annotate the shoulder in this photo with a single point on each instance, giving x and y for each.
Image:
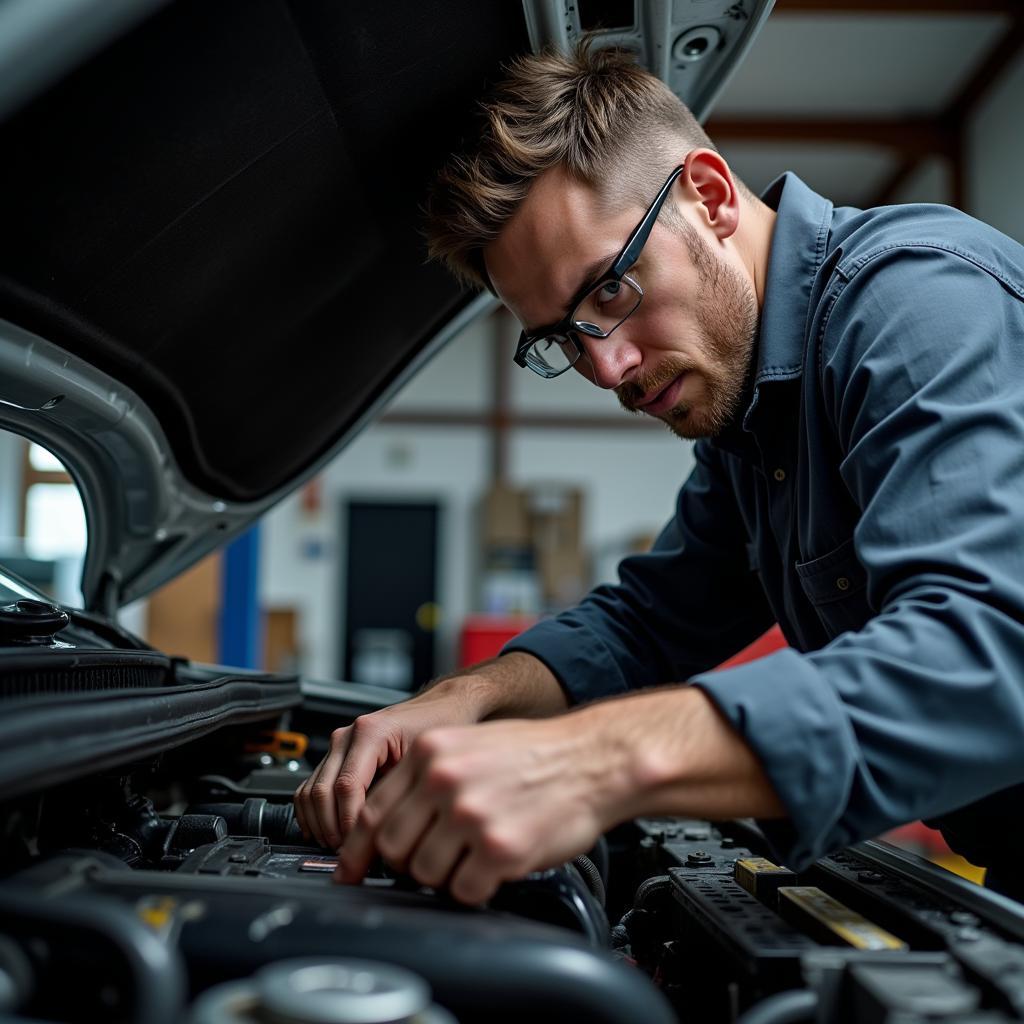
(889, 235)
(905, 281)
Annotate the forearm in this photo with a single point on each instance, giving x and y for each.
(515, 685)
(671, 752)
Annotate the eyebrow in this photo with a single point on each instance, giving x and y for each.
(593, 273)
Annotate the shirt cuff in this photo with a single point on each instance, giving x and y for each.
(796, 725)
(580, 661)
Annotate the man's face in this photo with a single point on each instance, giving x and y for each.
(683, 354)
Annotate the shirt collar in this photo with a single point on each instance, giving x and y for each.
(799, 241)
(798, 247)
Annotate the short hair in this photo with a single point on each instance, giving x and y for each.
(595, 112)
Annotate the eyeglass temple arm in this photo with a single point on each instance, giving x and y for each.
(638, 239)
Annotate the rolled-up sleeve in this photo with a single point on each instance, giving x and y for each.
(922, 710)
(679, 609)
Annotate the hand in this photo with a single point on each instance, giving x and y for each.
(478, 805)
(328, 802)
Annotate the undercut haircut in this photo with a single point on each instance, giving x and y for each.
(596, 113)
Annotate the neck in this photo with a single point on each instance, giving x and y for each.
(754, 242)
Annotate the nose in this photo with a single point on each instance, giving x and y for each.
(609, 360)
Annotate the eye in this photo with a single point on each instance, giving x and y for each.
(609, 292)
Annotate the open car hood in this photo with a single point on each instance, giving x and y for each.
(211, 272)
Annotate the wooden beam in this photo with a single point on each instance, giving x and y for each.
(500, 400)
(1002, 54)
(519, 421)
(913, 135)
(904, 7)
(958, 188)
(887, 192)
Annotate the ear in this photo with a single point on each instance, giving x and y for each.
(710, 183)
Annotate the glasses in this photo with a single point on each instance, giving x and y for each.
(597, 309)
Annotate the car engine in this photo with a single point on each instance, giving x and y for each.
(175, 885)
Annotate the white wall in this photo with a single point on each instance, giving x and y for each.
(629, 482)
(12, 456)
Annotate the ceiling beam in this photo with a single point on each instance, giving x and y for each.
(889, 189)
(914, 135)
(517, 421)
(876, 7)
(992, 66)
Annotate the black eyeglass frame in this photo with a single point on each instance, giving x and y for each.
(628, 255)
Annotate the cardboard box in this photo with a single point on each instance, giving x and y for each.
(556, 529)
(505, 519)
(564, 576)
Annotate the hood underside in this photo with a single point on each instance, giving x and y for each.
(211, 228)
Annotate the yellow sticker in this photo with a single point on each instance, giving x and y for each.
(157, 911)
(750, 870)
(839, 919)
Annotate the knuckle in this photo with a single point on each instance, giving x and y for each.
(347, 782)
(369, 818)
(499, 847)
(321, 791)
(423, 747)
(364, 725)
(467, 814)
(440, 777)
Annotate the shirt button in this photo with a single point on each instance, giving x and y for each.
(780, 475)
(843, 583)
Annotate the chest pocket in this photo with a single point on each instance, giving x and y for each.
(836, 584)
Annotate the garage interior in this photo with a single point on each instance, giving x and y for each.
(489, 497)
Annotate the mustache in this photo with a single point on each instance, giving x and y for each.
(632, 392)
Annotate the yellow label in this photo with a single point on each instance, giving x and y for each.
(839, 919)
(157, 911)
(747, 871)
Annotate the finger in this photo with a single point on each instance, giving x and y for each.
(323, 815)
(475, 880)
(437, 854)
(398, 837)
(298, 806)
(366, 753)
(356, 852)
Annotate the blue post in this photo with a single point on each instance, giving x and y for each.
(241, 634)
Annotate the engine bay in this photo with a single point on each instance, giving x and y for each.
(160, 892)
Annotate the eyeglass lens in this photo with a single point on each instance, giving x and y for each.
(599, 312)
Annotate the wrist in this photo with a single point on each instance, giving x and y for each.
(618, 734)
(513, 685)
(470, 694)
(652, 743)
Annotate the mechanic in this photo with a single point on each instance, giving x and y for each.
(854, 381)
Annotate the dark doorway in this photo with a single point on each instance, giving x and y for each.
(390, 593)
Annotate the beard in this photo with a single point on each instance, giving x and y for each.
(728, 321)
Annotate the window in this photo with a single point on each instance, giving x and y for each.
(42, 521)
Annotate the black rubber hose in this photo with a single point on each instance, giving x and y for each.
(650, 888)
(588, 869)
(598, 853)
(157, 970)
(797, 1006)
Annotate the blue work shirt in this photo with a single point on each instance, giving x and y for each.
(870, 499)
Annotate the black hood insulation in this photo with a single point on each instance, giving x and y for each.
(221, 211)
